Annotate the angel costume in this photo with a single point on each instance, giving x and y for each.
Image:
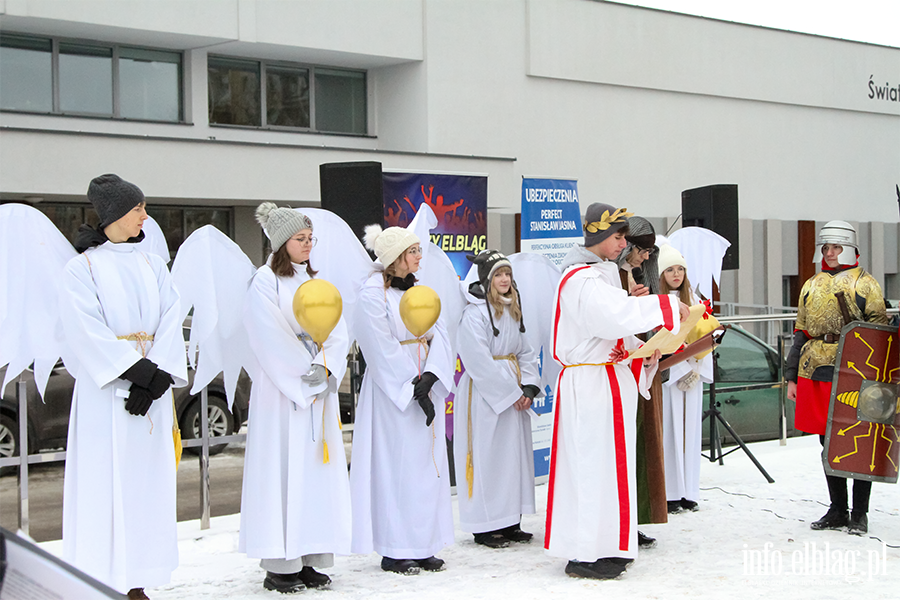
(399, 478)
(295, 504)
(488, 425)
(117, 304)
(591, 504)
(682, 417)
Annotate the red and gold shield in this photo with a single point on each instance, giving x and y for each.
(862, 440)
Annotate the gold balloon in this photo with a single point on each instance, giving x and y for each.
(703, 327)
(420, 308)
(317, 307)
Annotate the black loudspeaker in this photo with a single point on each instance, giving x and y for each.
(714, 207)
(354, 192)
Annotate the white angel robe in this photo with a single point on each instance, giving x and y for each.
(502, 452)
(682, 433)
(293, 504)
(119, 521)
(592, 501)
(399, 477)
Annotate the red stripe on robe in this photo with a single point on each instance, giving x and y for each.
(668, 318)
(621, 460)
(552, 478)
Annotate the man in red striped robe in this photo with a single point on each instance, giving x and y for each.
(592, 503)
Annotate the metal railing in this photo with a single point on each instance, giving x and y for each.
(24, 459)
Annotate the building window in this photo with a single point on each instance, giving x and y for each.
(294, 96)
(341, 102)
(75, 78)
(149, 84)
(28, 63)
(234, 92)
(85, 79)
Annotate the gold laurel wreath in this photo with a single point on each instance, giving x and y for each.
(606, 220)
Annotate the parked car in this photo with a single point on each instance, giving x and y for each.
(48, 420)
(744, 359)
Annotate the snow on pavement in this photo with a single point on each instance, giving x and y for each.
(750, 539)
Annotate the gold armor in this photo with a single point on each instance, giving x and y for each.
(819, 313)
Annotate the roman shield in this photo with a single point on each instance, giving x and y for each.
(862, 439)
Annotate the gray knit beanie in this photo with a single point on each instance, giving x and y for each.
(601, 221)
(112, 197)
(280, 223)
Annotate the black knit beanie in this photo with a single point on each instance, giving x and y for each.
(112, 198)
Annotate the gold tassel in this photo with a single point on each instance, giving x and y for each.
(325, 459)
(470, 473)
(176, 435)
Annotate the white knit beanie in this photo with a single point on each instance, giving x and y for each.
(281, 223)
(668, 257)
(388, 244)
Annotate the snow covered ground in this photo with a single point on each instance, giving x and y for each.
(750, 539)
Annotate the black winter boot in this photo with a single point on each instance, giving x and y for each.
(313, 579)
(492, 539)
(514, 533)
(835, 518)
(286, 583)
(859, 524)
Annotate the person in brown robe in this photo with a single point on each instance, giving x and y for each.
(639, 276)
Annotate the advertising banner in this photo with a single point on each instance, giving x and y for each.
(551, 217)
(459, 202)
(551, 225)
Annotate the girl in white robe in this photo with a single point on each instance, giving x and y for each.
(682, 399)
(492, 445)
(120, 315)
(399, 477)
(295, 505)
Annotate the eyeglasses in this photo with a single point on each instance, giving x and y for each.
(643, 252)
(306, 240)
(414, 251)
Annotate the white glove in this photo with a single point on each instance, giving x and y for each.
(316, 375)
(687, 383)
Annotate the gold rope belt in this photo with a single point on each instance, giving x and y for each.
(141, 337)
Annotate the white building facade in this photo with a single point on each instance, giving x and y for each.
(212, 106)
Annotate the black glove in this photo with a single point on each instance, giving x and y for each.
(530, 391)
(421, 387)
(141, 372)
(160, 384)
(139, 400)
(146, 374)
(427, 408)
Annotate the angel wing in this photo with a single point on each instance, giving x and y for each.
(536, 279)
(154, 241)
(703, 250)
(340, 258)
(212, 275)
(33, 253)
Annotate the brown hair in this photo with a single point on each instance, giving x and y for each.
(684, 290)
(390, 271)
(283, 267)
(515, 311)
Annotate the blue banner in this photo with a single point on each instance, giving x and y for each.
(551, 217)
